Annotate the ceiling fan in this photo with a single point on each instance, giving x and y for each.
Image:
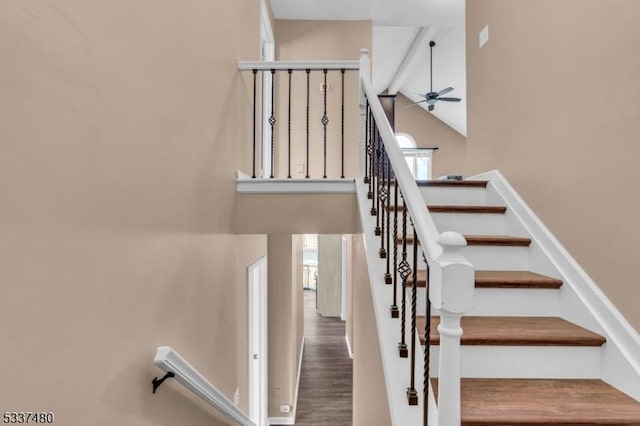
(432, 97)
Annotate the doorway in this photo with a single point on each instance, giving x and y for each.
(257, 340)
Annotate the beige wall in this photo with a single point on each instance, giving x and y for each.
(306, 213)
(370, 404)
(553, 102)
(428, 131)
(119, 123)
(285, 319)
(330, 275)
(319, 40)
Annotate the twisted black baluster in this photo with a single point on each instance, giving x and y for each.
(377, 183)
(412, 394)
(289, 127)
(405, 270)
(427, 349)
(272, 120)
(384, 195)
(387, 275)
(394, 307)
(255, 73)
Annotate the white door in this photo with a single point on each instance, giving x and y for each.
(257, 340)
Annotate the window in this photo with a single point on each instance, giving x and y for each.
(418, 159)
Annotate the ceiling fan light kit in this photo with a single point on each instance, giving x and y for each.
(431, 98)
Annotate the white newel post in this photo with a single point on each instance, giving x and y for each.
(451, 291)
(363, 73)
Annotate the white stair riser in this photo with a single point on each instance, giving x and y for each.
(499, 258)
(470, 223)
(536, 362)
(454, 196)
(508, 302)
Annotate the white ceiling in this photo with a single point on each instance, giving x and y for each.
(395, 25)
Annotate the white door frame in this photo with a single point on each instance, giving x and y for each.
(257, 340)
(267, 53)
(345, 269)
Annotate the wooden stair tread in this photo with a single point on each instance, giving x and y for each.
(458, 209)
(497, 240)
(516, 331)
(515, 279)
(454, 183)
(503, 279)
(485, 240)
(544, 402)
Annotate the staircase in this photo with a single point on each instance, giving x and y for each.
(522, 362)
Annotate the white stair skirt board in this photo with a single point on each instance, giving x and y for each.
(246, 185)
(396, 368)
(581, 300)
(454, 196)
(511, 302)
(533, 362)
(470, 223)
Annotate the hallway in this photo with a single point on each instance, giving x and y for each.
(325, 394)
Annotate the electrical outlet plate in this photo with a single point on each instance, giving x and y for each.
(236, 397)
(483, 37)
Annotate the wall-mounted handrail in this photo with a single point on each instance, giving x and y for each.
(170, 361)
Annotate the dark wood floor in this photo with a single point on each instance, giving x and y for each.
(325, 394)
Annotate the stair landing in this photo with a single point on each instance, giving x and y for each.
(544, 402)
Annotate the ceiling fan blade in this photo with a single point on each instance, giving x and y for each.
(445, 91)
(415, 103)
(450, 99)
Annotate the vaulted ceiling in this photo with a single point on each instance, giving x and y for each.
(402, 30)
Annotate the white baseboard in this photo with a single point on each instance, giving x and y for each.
(295, 396)
(349, 346)
(282, 421)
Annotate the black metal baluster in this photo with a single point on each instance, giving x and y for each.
(272, 120)
(412, 394)
(394, 307)
(382, 199)
(374, 170)
(325, 121)
(370, 159)
(289, 127)
(387, 275)
(308, 87)
(405, 270)
(366, 147)
(342, 124)
(377, 182)
(427, 349)
(255, 73)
